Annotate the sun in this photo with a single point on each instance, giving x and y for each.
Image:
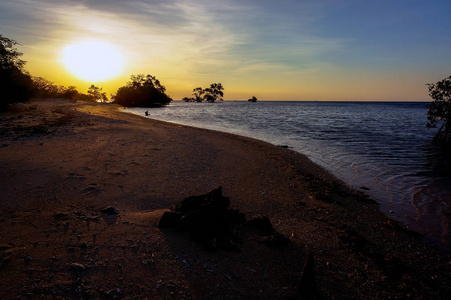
(93, 61)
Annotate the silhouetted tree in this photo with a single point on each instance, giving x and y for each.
(15, 83)
(83, 97)
(142, 91)
(253, 99)
(440, 110)
(198, 94)
(210, 94)
(214, 92)
(96, 93)
(70, 92)
(44, 88)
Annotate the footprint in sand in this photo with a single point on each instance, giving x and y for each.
(91, 190)
(118, 173)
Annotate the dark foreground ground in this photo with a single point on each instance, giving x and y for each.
(62, 162)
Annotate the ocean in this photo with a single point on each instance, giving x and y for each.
(381, 148)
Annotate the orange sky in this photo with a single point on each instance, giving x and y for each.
(284, 50)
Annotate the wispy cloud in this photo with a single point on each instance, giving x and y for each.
(194, 34)
(194, 41)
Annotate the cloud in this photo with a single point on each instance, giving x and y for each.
(190, 38)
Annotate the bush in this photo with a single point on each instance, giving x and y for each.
(15, 83)
(142, 92)
(440, 110)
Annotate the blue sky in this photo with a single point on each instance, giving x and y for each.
(286, 49)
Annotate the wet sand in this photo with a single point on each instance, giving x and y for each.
(62, 162)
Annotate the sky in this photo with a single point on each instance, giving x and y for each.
(324, 50)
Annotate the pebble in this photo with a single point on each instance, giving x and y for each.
(76, 267)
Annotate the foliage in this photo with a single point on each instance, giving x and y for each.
(96, 94)
(15, 83)
(198, 94)
(70, 93)
(9, 56)
(44, 88)
(214, 92)
(210, 94)
(253, 99)
(440, 110)
(142, 91)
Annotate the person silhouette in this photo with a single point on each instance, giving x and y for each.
(147, 112)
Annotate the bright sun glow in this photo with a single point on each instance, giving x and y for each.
(93, 61)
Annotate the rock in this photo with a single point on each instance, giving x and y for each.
(169, 219)
(207, 219)
(213, 202)
(276, 240)
(61, 216)
(76, 267)
(109, 210)
(262, 224)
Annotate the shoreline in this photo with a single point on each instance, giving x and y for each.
(70, 159)
(379, 168)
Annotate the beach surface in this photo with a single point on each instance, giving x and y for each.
(63, 162)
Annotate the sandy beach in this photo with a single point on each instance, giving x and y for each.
(62, 162)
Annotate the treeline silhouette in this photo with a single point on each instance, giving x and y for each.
(17, 85)
(44, 88)
(210, 94)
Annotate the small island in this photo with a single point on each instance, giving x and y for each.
(253, 99)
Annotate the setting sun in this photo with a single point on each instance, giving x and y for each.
(93, 61)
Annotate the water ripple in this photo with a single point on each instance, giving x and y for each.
(383, 146)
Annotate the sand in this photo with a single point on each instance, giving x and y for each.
(62, 162)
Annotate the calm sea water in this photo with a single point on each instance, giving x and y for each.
(383, 146)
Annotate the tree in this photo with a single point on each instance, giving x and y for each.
(210, 94)
(15, 83)
(440, 110)
(44, 88)
(142, 91)
(198, 94)
(214, 92)
(9, 56)
(95, 92)
(70, 92)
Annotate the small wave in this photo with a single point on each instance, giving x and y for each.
(362, 143)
